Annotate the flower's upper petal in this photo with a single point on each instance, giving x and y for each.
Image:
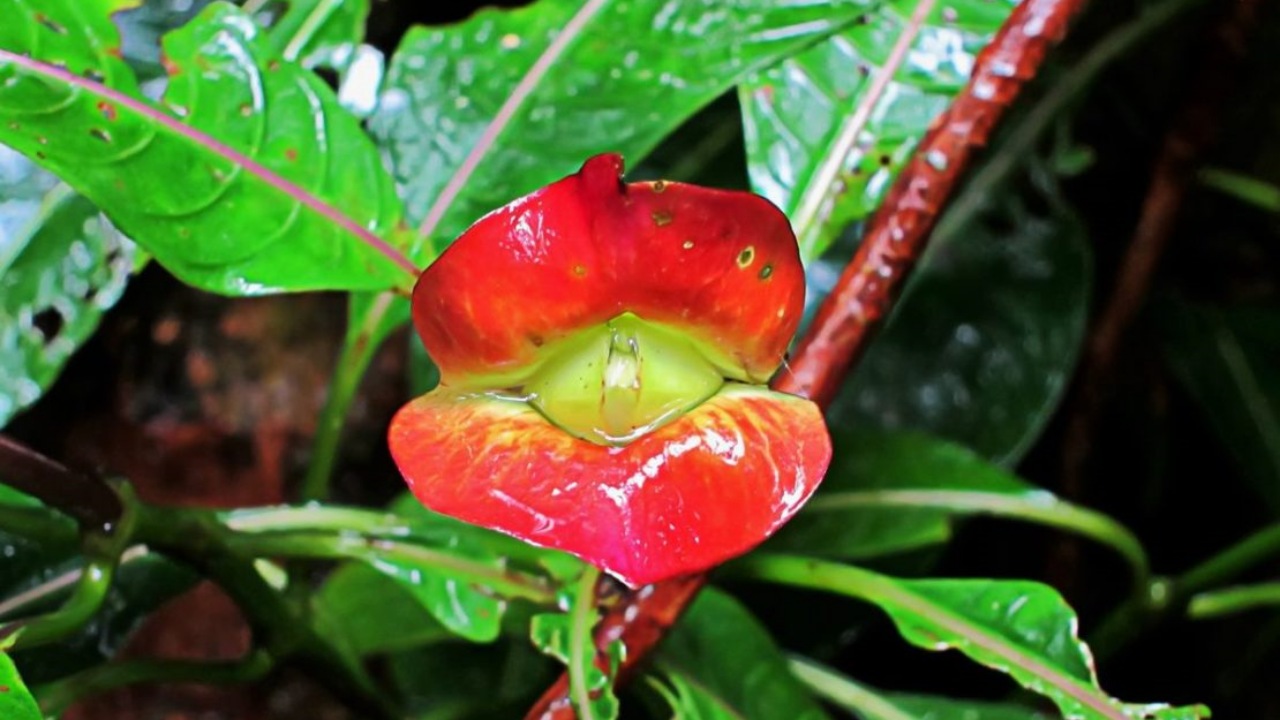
(678, 500)
(720, 266)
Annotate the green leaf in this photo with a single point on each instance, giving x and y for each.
(453, 681)
(62, 265)
(1021, 628)
(1225, 358)
(869, 703)
(465, 609)
(16, 702)
(983, 368)
(320, 32)
(375, 613)
(891, 491)
(248, 179)
(478, 113)
(721, 661)
(824, 143)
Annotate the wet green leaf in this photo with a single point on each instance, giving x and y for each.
(1226, 359)
(1021, 628)
(320, 32)
(892, 491)
(721, 661)
(16, 702)
(478, 113)
(375, 613)
(62, 265)
(816, 152)
(248, 178)
(453, 681)
(984, 339)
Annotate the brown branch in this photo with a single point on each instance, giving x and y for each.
(88, 500)
(870, 283)
(1192, 133)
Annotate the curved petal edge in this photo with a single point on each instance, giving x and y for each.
(679, 500)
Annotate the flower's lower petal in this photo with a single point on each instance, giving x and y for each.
(681, 499)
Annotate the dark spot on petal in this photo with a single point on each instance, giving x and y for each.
(100, 134)
(688, 245)
(50, 23)
(659, 185)
(661, 217)
(766, 271)
(108, 110)
(580, 270)
(49, 322)
(536, 340)
(747, 256)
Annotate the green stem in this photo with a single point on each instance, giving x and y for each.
(39, 525)
(582, 618)
(198, 539)
(357, 351)
(347, 546)
(57, 697)
(1164, 597)
(102, 549)
(1038, 507)
(1234, 600)
(318, 16)
(90, 591)
(844, 692)
(1013, 151)
(1251, 190)
(1228, 564)
(317, 518)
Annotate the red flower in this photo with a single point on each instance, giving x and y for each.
(602, 349)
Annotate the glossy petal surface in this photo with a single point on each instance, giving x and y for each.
(720, 266)
(681, 499)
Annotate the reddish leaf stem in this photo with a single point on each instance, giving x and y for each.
(844, 324)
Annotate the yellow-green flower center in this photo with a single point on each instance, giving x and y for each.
(615, 382)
